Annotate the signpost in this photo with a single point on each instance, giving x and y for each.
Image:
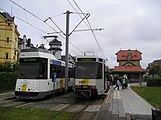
(54, 80)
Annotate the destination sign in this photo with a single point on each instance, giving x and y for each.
(86, 59)
(28, 59)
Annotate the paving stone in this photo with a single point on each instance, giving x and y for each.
(115, 117)
(105, 106)
(75, 108)
(93, 108)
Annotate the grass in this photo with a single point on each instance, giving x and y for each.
(32, 114)
(151, 94)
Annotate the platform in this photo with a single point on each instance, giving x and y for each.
(124, 105)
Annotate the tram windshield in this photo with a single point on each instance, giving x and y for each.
(88, 70)
(33, 68)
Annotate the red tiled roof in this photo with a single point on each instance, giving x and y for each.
(128, 69)
(123, 55)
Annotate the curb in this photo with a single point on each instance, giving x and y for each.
(104, 102)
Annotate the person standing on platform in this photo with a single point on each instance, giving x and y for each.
(126, 81)
(123, 83)
(117, 83)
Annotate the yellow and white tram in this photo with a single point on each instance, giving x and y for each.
(35, 74)
(90, 76)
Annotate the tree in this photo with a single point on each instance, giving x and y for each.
(155, 70)
(9, 67)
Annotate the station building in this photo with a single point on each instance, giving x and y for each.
(8, 39)
(129, 64)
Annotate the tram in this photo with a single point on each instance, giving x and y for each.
(37, 67)
(90, 77)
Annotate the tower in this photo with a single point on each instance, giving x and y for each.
(55, 47)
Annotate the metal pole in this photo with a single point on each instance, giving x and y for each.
(67, 52)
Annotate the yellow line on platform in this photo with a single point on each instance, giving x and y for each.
(107, 97)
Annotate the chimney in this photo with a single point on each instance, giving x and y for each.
(24, 42)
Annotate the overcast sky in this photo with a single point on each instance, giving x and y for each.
(128, 24)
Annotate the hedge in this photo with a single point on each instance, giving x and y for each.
(8, 80)
(156, 81)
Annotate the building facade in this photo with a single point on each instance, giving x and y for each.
(8, 39)
(129, 64)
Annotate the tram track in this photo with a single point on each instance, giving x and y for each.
(82, 108)
(88, 113)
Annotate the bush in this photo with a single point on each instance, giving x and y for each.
(155, 81)
(9, 67)
(8, 80)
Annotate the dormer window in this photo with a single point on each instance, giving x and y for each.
(129, 56)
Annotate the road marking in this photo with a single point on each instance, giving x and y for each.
(107, 97)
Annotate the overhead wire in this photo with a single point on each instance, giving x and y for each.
(27, 23)
(64, 34)
(32, 25)
(34, 16)
(74, 51)
(3, 9)
(91, 30)
(26, 17)
(56, 25)
(88, 25)
(43, 22)
(85, 17)
(77, 11)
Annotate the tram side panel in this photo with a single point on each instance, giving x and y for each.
(100, 83)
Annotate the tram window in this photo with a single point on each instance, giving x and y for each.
(52, 70)
(86, 70)
(99, 72)
(62, 72)
(42, 72)
(33, 68)
(58, 71)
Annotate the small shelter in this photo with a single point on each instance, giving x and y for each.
(129, 64)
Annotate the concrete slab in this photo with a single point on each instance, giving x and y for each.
(116, 94)
(59, 107)
(75, 108)
(93, 108)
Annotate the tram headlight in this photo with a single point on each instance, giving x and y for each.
(93, 87)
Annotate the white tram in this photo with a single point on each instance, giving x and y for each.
(36, 71)
(90, 76)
